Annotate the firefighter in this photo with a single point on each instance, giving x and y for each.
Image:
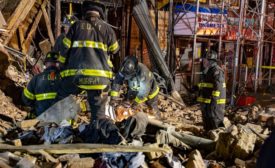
(141, 84)
(66, 24)
(212, 92)
(41, 93)
(85, 58)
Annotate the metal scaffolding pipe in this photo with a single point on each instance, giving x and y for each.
(260, 44)
(195, 42)
(241, 62)
(238, 45)
(170, 34)
(221, 30)
(270, 70)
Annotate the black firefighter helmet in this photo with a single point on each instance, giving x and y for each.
(94, 5)
(212, 55)
(51, 57)
(129, 67)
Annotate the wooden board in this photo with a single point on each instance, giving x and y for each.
(2, 20)
(48, 24)
(57, 18)
(18, 17)
(82, 148)
(33, 28)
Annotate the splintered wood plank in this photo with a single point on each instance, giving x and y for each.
(48, 24)
(33, 28)
(82, 148)
(19, 16)
(2, 20)
(13, 18)
(57, 18)
(21, 37)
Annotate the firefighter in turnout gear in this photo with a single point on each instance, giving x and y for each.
(212, 92)
(66, 24)
(41, 93)
(85, 58)
(141, 84)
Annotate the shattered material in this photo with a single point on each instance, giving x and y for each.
(195, 160)
(131, 160)
(236, 144)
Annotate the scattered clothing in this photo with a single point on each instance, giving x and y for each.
(130, 160)
(134, 127)
(101, 131)
(58, 134)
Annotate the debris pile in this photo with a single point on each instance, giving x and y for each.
(177, 141)
(9, 114)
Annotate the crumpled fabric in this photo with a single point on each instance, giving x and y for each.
(164, 137)
(169, 161)
(134, 126)
(101, 131)
(29, 137)
(129, 160)
(61, 134)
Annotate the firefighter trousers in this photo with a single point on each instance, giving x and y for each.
(97, 98)
(212, 115)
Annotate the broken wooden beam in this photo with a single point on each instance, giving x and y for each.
(2, 20)
(81, 148)
(57, 18)
(33, 28)
(18, 17)
(48, 24)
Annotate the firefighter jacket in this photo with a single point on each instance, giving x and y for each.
(41, 90)
(213, 92)
(143, 84)
(85, 54)
(59, 43)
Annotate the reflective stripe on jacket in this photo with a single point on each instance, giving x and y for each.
(213, 92)
(85, 54)
(143, 83)
(41, 91)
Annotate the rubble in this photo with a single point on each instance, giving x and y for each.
(177, 140)
(27, 124)
(18, 77)
(181, 129)
(81, 163)
(195, 160)
(9, 114)
(239, 143)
